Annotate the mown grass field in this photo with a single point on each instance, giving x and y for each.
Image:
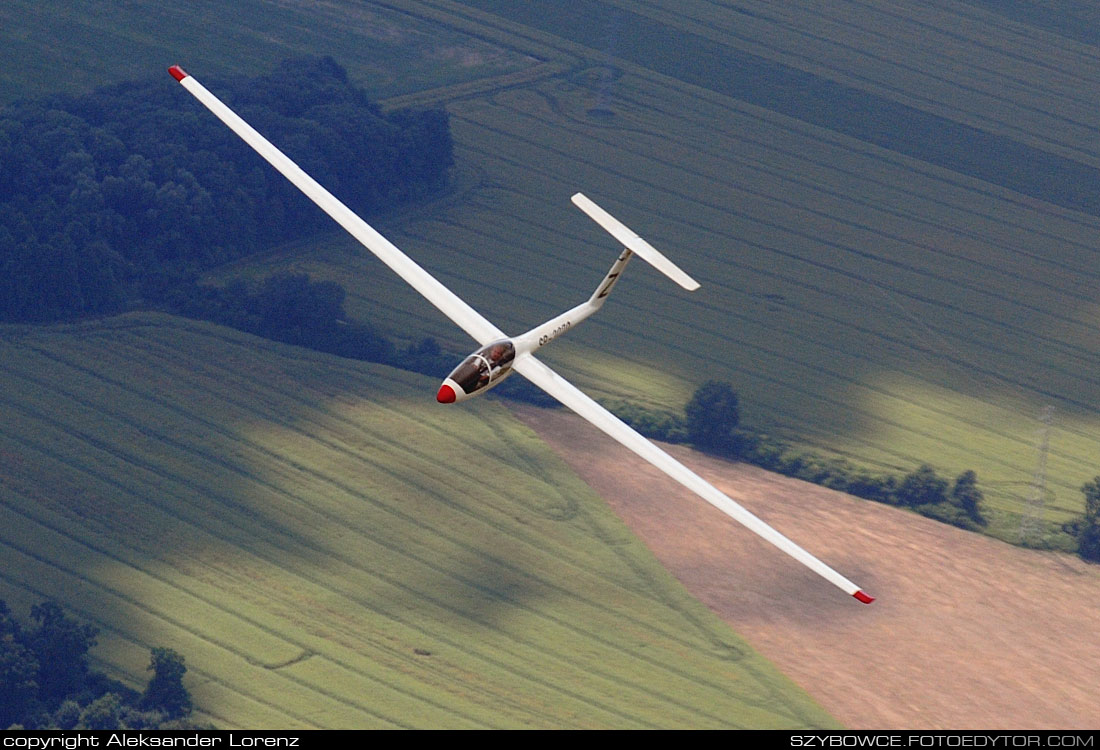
(328, 547)
(77, 45)
(892, 304)
(876, 285)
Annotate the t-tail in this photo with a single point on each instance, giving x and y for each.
(490, 364)
(632, 245)
(499, 355)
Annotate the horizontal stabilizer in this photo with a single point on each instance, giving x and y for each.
(632, 241)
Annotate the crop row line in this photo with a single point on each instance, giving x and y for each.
(723, 30)
(847, 249)
(279, 559)
(803, 394)
(401, 551)
(557, 590)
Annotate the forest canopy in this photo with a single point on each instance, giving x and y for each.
(109, 197)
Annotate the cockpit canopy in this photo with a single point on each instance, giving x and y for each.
(486, 367)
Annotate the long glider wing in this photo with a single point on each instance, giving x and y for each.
(567, 393)
(483, 331)
(449, 303)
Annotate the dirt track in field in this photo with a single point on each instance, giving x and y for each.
(967, 632)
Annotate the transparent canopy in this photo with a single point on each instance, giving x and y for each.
(485, 367)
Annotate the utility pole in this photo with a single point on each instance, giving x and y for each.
(1031, 525)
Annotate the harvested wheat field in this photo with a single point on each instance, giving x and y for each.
(967, 632)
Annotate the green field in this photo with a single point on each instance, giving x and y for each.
(919, 292)
(77, 45)
(894, 304)
(894, 214)
(328, 547)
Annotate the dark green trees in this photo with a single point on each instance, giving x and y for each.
(711, 415)
(1088, 535)
(61, 645)
(45, 682)
(966, 496)
(112, 197)
(18, 671)
(927, 492)
(165, 692)
(294, 309)
(41, 666)
(922, 487)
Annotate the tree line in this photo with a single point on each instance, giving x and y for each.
(292, 308)
(296, 309)
(711, 422)
(45, 681)
(108, 199)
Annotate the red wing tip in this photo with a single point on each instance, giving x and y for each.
(863, 597)
(177, 72)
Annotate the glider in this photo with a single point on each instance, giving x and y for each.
(500, 355)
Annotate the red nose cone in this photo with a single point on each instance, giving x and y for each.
(446, 395)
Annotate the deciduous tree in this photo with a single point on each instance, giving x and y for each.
(966, 495)
(712, 414)
(165, 691)
(1088, 538)
(922, 487)
(61, 645)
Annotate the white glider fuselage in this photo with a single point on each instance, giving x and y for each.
(500, 355)
(492, 363)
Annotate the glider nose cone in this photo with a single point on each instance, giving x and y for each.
(446, 394)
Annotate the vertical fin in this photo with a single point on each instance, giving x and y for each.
(612, 276)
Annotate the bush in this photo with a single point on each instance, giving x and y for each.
(966, 496)
(758, 448)
(881, 488)
(1088, 534)
(166, 692)
(949, 513)
(45, 682)
(711, 417)
(653, 423)
(922, 487)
